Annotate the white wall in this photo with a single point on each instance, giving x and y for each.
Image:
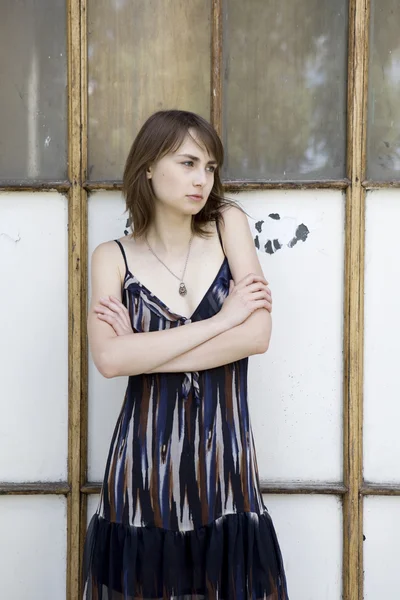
(382, 335)
(33, 325)
(295, 389)
(33, 391)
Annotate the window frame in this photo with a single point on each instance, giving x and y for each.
(353, 489)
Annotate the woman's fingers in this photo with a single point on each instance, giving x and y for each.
(262, 304)
(105, 311)
(255, 287)
(262, 295)
(111, 320)
(122, 310)
(251, 278)
(114, 305)
(254, 292)
(113, 312)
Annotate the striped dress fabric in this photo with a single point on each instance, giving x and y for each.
(181, 514)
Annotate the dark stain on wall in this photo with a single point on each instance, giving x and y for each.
(301, 235)
(128, 224)
(275, 244)
(271, 246)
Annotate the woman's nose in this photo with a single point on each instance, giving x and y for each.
(200, 177)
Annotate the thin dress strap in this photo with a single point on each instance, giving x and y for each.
(220, 237)
(123, 254)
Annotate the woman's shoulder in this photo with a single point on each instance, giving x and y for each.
(113, 247)
(233, 218)
(110, 254)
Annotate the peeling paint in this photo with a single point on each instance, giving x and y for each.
(10, 237)
(282, 228)
(278, 232)
(301, 235)
(128, 224)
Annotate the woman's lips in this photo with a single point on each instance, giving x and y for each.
(196, 198)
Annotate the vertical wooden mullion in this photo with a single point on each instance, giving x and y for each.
(74, 297)
(354, 296)
(216, 65)
(84, 248)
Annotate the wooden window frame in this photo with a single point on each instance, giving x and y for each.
(353, 489)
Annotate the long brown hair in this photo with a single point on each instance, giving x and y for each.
(162, 133)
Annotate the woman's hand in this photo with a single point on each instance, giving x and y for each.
(113, 312)
(248, 295)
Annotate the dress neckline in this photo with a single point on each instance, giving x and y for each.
(180, 317)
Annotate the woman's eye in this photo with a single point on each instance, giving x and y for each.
(189, 163)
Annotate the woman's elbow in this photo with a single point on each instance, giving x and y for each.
(104, 365)
(262, 343)
(261, 327)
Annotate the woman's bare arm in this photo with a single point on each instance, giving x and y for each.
(137, 352)
(252, 336)
(230, 346)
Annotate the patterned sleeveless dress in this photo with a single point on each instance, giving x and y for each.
(181, 514)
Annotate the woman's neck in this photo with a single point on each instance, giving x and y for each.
(170, 235)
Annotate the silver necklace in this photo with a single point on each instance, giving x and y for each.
(182, 286)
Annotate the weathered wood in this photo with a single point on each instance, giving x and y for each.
(380, 185)
(34, 488)
(216, 66)
(238, 186)
(267, 487)
(354, 296)
(75, 274)
(84, 280)
(379, 489)
(300, 487)
(35, 186)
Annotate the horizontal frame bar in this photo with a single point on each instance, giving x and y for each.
(379, 489)
(266, 488)
(380, 185)
(368, 489)
(230, 186)
(35, 186)
(238, 186)
(35, 487)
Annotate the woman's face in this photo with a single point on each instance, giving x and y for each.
(182, 180)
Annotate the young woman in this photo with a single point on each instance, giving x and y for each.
(179, 306)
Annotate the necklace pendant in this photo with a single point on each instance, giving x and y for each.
(182, 289)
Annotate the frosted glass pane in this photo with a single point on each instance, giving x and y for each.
(383, 155)
(381, 547)
(295, 388)
(34, 337)
(310, 534)
(159, 58)
(33, 75)
(106, 221)
(381, 338)
(285, 67)
(33, 547)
